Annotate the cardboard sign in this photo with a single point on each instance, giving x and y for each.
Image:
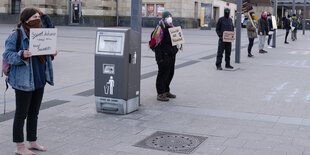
(176, 35)
(274, 22)
(228, 36)
(43, 41)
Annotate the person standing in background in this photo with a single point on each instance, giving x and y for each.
(262, 32)
(252, 34)
(270, 30)
(287, 27)
(224, 24)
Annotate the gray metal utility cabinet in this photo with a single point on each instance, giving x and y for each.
(117, 70)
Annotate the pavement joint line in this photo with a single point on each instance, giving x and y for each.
(57, 89)
(240, 115)
(44, 105)
(153, 73)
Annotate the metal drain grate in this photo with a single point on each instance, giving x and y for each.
(172, 142)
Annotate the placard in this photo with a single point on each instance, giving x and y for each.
(176, 35)
(43, 41)
(274, 22)
(228, 36)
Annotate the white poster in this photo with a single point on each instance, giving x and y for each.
(176, 35)
(43, 41)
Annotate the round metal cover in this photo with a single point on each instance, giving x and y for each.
(173, 142)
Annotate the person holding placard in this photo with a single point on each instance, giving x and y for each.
(224, 24)
(252, 34)
(165, 54)
(28, 76)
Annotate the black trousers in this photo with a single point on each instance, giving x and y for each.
(27, 106)
(287, 32)
(223, 46)
(251, 43)
(269, 39)
(165, 73)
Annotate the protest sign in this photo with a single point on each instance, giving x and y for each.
(274, 22)
(228, 36)
(176, 35)
(43, 41)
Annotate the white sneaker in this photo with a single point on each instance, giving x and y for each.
(269, 47)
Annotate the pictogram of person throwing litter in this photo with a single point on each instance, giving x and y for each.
(108, 88)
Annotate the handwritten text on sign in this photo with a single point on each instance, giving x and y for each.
(228, 36)
(43, 41)
(176, 35)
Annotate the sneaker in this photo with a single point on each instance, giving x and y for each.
(219, 68)
(169, 95)
(269, 47)
(261, 52)
(286, 42)
(264, 51)
(250, 55)
(162, 97)
(229, 67)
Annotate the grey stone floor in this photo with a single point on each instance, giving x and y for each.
(262, 108)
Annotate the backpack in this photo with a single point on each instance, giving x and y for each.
(152, 42)
(5, 66)
(295, 23)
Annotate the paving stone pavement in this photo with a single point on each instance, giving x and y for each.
(262, 108)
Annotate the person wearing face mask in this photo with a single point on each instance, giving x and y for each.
(224, 24)
(28, 76)
(252, 34)
(262, 32)
(165, 55)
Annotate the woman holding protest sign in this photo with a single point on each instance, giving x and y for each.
(165, 55)
(27, 75)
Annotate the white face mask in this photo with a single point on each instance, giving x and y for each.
(169, 20)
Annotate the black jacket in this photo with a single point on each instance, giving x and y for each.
(287, 24)
(46, 21)
(224, 24)
(263, 26)
(165, 46)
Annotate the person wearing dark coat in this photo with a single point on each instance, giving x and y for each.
(252, 34)
(287, 27)
(270, 29)
(224, 24)
(165, 55)
(262, 32)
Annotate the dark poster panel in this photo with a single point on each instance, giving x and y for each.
(205, 19)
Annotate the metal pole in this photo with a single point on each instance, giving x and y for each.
(136, 20)
(117, 15)
(304, 19)
(294, 7)
(238, 31)
(275, 30)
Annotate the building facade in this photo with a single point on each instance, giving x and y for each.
(186, 13)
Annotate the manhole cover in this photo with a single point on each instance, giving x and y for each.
(172, 142)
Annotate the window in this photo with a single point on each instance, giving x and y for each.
(16, 6)
(152, 10)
